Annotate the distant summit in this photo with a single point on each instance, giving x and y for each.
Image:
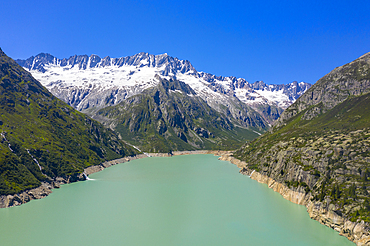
(168, 64)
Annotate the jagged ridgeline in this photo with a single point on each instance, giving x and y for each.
(321, 143)
(171, 117)
(238, 109)
(42, 137)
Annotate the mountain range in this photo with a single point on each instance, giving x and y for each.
(85, 82)
(169, 116)
(90, 84)
(143, 98)
(318, 149)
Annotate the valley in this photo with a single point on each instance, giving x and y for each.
(309, 143)
(112, 89)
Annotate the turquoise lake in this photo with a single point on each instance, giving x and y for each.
(181, 200)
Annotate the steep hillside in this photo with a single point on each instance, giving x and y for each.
(43, 138)
(321, 144)
(352, 79)
(170, 116)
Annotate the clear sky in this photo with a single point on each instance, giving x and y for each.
(274, 41)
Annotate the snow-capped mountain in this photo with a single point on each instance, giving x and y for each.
(89, 83)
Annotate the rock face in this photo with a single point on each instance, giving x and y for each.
(352, 79)
(320, 146)
(170, 117)
(88, 83)
(357, 232)
(37, 193)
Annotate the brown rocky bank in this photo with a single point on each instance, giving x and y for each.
(46, 187)
(326, 215)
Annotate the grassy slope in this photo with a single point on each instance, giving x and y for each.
(321, 143)
(332, 150)
(61, 139)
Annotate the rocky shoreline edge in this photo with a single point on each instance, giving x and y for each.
(356, 232)
(46, 187)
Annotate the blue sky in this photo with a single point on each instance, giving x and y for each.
(274, 41)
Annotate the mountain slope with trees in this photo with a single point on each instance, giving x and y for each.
(42, 137)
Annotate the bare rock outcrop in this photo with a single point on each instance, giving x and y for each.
(326, 214)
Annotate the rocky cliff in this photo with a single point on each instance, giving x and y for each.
(171, 117)
(352, 79)
(321, 145)
(326, 213)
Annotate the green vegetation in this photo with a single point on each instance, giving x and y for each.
(321, 144)
(170, 117)
(332, 150)
(37, 128)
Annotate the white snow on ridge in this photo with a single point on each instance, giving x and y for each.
(248, 97)
(277, 96)
(177, 91)
(117, 82)
(200, 86)
(107, 77)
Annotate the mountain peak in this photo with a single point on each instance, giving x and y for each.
(170, 65)
(87, 82)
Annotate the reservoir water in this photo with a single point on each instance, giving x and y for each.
(181, 200)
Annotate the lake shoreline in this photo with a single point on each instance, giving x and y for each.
(46, 188)
(102, 166)
(355, 232)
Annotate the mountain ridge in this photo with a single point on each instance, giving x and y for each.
(85, 82)
(169, 117)
(330, 94)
